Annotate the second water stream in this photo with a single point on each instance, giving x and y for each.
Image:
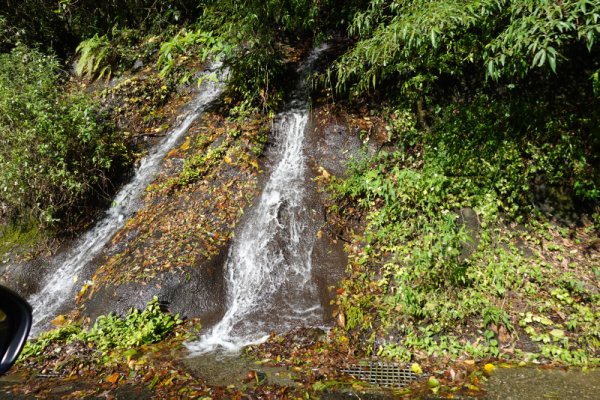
(269, 269)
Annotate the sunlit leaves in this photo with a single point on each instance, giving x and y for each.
(55, 151)
(190, 43)
(537, 33)
(504, 38)
(94, 57)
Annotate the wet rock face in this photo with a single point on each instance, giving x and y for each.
(196, 292)
(176, 245)
(334, 145)
(23, 278)
(329, 262)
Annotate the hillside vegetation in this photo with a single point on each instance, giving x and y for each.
(472, 219)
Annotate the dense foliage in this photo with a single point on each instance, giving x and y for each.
(492, 113)
(438, 271)
(62, 24)
(418, 42)
(503, 90)
(55, 149)
(253, 40)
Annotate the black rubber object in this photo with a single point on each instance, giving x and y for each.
(17, 324)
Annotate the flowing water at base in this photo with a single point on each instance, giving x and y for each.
(59, 286)
(268, 271)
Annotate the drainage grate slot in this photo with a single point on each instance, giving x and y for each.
(381, 374)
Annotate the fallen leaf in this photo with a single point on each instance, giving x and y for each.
(59, 320)
(416, 369)
(113, 378)
(489, 368)
(433, 382)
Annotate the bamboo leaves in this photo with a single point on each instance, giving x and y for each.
(506, 38)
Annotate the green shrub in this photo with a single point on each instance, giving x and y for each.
(56, 148)
(420, 281)
(184, 43)
(35, 347)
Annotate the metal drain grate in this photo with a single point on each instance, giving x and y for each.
(382, 374)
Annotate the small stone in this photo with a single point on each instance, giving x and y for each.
(139, 64)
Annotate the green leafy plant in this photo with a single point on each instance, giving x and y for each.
(417, 279)
(36, 347)
(110, 332)
(57, 148)
(95, 57)
(134, 329)
(187, 43)
(423, 41)
(539, 34)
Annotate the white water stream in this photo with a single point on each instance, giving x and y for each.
(59, 286)
(268, 270)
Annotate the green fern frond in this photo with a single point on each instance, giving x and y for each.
(94, 57)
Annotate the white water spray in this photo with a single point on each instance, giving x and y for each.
(268, 271)
(60, 284)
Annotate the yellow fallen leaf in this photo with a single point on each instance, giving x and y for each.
(489, 368)
(326, 175)
(416, 369)
(59, 321)
(227, 159)
(186, 145)
(172, 153)
(254, 164)
(341, 319)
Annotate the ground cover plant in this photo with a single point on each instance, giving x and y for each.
(445, 279)
(110, 332)
(465, 251)
(486, 175)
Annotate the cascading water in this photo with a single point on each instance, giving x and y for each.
(268, 271)
(60, 284)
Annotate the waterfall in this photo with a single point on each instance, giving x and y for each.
(268, 270)
(60, 284)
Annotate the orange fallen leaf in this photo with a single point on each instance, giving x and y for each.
(113, 378)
